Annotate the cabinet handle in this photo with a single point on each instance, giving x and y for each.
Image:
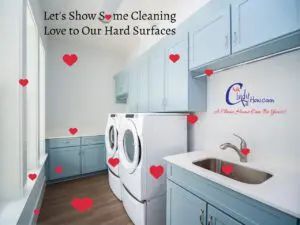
(235, 37)
(202, 217)
(210, 222)
(226, 41)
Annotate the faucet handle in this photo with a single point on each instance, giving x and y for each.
(243, 142)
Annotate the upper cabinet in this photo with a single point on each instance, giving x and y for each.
(210, 37)
(157, 79)
(256, 21)
(177, 73)
(121, 87)
(133, 89)
(143, 84)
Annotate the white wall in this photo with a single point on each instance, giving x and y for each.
(268, 136)
(80, 96)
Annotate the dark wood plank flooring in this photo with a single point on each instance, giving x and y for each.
(107, 209)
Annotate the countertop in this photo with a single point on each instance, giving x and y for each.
(282, 191)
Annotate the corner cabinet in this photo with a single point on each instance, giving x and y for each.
(73, 157)
(194, 200)
(121, 87)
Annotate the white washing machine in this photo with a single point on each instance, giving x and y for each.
(144, 140)
(112, 153)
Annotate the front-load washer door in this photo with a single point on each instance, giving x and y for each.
(111, 136)
(130, 153)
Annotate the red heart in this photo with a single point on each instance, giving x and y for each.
(108, 16)
(192, 119)
(70, 59)
(156, 171)
(113, 161)
(174, 57)
(23, 82)
(227, 169)
(82, 204)
(245, 151)
(32, 176)
(59, 169)
(73, 130)
(36, 211)
(209, 72)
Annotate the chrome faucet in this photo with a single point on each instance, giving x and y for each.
(243, 145)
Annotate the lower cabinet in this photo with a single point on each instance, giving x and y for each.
(64, 162)
(184, 207)
(93, 158)
(194, 200)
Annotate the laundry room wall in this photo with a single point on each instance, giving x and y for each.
(267, 136)
(80, 96)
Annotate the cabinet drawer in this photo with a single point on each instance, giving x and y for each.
(93, 140)
(64, 142)
(246, 210)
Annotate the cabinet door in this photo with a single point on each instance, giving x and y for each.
(156, 80)
(210, 38)
(184, 207)
(257, 21)
(216, 217)
(67, 160)
(93, 158)
(133, 90)
(176, 86)
(143, 85)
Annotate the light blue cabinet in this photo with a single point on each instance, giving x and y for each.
(210, 37)
(184, 207)
(93, 158)
(72, 157)
(257, 21)
(121, 87)
(143, 85)
(217, 217)
(68, 159)
(187, 194)
(157, 79)
(176, 80)
(133, 89)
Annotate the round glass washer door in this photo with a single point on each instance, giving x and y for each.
(111, 137)
(131, 147)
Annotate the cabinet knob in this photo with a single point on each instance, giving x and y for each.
(202, 217)
(210, 222)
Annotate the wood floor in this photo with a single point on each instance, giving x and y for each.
(107, 209)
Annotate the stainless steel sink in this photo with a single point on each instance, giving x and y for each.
(239, 173)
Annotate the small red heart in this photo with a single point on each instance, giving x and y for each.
(156, 171)
(227, 169)
(209, 72)
(174, 57)
(59, 169)
(73, 130)
(70, 59)
(82, 204)
(108, 16)
(245, 151)
(113, 161)
(23, 82)
(192, 119)
(36, 212)
(32, 176)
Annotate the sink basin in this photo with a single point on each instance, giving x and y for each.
(236, 172)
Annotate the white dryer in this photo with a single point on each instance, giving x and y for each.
(144, 140)
(112, 153)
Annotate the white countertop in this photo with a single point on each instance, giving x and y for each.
(282, 191)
